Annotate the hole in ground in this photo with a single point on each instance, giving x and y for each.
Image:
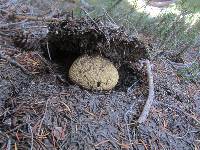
(127, 77)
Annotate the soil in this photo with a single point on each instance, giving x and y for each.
(40, 104)
(45, 111)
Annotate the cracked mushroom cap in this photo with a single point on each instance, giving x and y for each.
(94, 72)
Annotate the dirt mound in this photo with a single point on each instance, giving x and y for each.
(90, 36)
(71, 38)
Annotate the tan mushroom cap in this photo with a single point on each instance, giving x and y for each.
(94, 72)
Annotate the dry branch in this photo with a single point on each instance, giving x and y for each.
(35, 18)
(28, 17)
(149, 101)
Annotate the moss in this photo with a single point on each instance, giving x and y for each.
(94, 72)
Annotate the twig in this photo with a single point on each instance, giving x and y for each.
(12, 24)
(109, 17)
(102, 142)
(33, 18)
(29, 125)
(13, 62)
(16, 128)
(87, 14)
(8, 144)
(3, 35)
(149, 101)
(45, 62)
(130, 111)
(48, 51)
(44, 115)
(30, 130)
(142, 142)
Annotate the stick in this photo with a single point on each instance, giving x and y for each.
(35, 18)
(32, 18)
(149, 101)
(48, 50)
(44, 115)
(90, 18)
(29, 125)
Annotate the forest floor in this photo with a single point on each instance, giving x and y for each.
(44, 111)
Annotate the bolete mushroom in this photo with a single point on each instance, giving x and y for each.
(94, 73)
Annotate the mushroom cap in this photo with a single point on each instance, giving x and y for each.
(94, 73)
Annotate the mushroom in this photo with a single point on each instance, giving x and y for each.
(94, 73)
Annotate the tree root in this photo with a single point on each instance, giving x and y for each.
(150, 98)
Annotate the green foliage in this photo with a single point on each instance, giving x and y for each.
(190, 73)
(192, 6)
(173, 30)
(170, 28)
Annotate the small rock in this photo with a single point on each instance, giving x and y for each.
(94, 72)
